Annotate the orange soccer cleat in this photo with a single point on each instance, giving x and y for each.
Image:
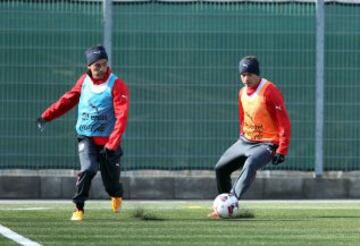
(116, 204)
(78, 215)
(214, 215)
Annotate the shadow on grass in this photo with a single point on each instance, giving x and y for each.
(338, 217)
(246, 214)
(142, 214)
(145, 215)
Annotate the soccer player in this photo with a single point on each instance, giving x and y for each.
(265, 131)
(103, 108)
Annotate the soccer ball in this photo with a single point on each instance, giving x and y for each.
(226, 205)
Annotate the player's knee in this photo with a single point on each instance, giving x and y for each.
(220, 170)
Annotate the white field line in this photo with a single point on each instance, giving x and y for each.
(24, 209)
(6, 232)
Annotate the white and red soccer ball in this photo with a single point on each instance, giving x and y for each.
(226, 205)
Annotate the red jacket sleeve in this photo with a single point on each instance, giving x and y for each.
(65, 102)
(121, 101)
(276, 107)
(241, 111)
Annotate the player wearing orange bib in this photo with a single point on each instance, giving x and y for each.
(265, 131)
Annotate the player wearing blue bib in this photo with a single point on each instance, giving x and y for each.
(103, 105)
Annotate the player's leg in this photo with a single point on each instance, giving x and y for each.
(110, 169)
(232, 159)
(258, 156)
(89, 167)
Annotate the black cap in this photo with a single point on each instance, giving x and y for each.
(94, 54)
(249, 64)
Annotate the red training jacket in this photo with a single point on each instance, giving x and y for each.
(121, 102)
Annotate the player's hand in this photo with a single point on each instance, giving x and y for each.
(106, 153)
(40, 123)
(278, 158)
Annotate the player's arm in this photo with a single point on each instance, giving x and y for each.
(241, 112)
(65, 102)
(121, 102)
(276, 106)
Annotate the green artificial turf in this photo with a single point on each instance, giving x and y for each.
(185, 223)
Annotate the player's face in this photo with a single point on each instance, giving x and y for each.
(98, 69)
(250, 79)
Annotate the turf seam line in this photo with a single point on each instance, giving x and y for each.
(6, 232)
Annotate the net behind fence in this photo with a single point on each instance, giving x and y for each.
(180, 62)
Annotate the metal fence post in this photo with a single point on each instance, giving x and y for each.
(107, 7)
(319, 128)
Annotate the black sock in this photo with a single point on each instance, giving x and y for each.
(80, 206)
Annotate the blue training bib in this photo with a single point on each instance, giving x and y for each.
(95, 111)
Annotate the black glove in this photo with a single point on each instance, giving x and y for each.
(278, 158)
(106, 153)
(40, 123)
